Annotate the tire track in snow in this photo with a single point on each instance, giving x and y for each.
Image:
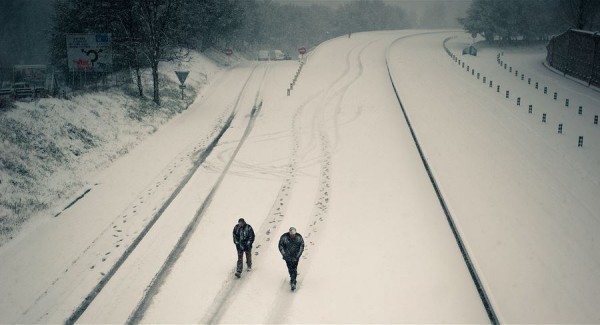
(318, 215)
(116, 232)
(469, 263)
(277, 212)
(265, 232)
(202, 157)
(162, 275)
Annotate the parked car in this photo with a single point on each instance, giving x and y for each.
(278, 55)
(263, 55)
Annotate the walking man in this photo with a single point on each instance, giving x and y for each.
(243, 237)
(291, 246)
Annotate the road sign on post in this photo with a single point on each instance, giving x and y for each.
(302, 51)
(182, 75)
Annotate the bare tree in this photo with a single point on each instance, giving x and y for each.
(161, 38)
(130, 42)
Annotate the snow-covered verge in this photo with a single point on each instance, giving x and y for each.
(50, 146)
(523, 193)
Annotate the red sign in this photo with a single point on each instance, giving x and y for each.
(228, 52)
(302, 50)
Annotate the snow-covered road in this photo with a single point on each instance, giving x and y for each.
(151, 242)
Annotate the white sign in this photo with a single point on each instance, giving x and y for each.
(89, 52)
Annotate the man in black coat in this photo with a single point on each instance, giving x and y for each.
(243, 237)
(291, 246)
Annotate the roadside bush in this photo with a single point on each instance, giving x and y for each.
(6, 104)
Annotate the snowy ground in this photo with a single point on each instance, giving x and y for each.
(50, 145)
(151, 242)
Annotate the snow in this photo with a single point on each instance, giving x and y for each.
(336, 160)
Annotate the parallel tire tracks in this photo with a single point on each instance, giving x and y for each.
(167, 266)
(325, 145)
(87, 301)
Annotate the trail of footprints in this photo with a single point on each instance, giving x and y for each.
(277, 212)
(119, 231)
(321, 205)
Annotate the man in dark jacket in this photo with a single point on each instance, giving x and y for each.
(291, 246)
(243, 237)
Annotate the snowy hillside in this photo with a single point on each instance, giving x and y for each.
(151, 241)
(51, 145)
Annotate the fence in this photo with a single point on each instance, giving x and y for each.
(576, 53)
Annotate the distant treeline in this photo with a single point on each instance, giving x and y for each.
(146, 32)
(509, 20)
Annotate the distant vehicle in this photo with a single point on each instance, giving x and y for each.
(278, 55)
(275, 55)
(263, 55)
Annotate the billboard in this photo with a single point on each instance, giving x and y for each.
(89, 52)
(32, 74)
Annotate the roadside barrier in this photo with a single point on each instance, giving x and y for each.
(289, 90)
(503, 64)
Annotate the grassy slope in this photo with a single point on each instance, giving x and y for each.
(49, 145)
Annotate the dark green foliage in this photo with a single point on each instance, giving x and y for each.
(29, 139)
(581, 14)
(80, 134)
(507, 20)
(6, 104)
(146, 32)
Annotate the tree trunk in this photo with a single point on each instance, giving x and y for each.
(139, 82)
(156, 96)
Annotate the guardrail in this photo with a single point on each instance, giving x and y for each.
(24, 93)
(21, 93)
(6, 93)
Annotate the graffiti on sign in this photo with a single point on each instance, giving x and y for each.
(89, 52)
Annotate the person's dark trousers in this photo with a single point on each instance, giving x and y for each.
(240, 262)
(292, 266)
